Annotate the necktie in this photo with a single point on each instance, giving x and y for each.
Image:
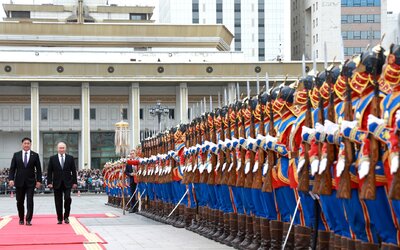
(26, 159)
(62, 161)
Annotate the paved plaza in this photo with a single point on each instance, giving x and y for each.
(129, 231)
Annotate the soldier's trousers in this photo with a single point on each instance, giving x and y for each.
(212, 197)
(227, 203)
(191, 200)
(334, 213)
(178, 191)
(260, 210)
(268, 202)
(150, 191)
(248, 201)
(382, 217)
(286, 200)
(237, 195)
(201, 194)
(218, 196)
(358, 218)
(310, 208)
(396, 208)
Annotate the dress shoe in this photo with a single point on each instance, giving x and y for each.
(21, 222)
(28, 223)
(66, 221)
(59, 222)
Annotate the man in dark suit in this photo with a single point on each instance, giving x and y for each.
(25, 174)
(61, 175)
(131, 171)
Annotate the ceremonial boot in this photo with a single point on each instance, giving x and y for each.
(386, 246)
(180, 222)
(241, 231)
(348, 244)
(233, 226)
(302, 239)
(189, 215)
(323, 240)
(219, 225)
(276, 234)
(357, 244)
(173, 217)
(202, 220)
(265, 234)
(369, 246)
(226, 228)
(256, 242)
(289, 234)
(212, 224)
(152, 209)
(158, 210)
(195, 220)
(338, 242)
(332, 241)
(249, 233)
(205, 224)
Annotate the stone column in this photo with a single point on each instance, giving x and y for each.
(35, 117)
(134, 114)
(231, 92)
(85, 132)
(182, 102)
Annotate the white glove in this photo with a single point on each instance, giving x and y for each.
(223, 167)
(239, 165)
(300, 164)
(269, 138)
(230, 167)
(189, 167)
(322, 165)
(330, 127)
(374, 119)
(201, 167)
(348, 124)
(398, 117)
(209, 167)
(247, 167)
(394, 163)
(314, 166)
(307, 130)
(217, 166)
(265, 168)
(340, 166)
(255, 167)
(262, 140)
(363, 169)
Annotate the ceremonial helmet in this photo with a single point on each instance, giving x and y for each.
(332, 72)
(287, 94)
(368, 68)
(346, 74)
(314, 95)
(303, 86)
(277, 102)
(391, 72)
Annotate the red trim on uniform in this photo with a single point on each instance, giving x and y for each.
(367, 221)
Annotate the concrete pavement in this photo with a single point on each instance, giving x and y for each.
(130, 231)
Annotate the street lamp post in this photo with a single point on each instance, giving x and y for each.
(159, 110)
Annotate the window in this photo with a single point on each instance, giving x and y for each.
(141, 114)
(316, 22)
(371, 19)
(316, 53)
(316, 38)
(125, 114)
(92, 114)
(171, 114)
(357, 19)
(316, 6)
(27, 114)
(377, 35)
(344, 18)
(313, 23)
(364, 35)
(43, 114)
(357, 35)
(20, 14)
(137, 17)
(189, 113)
(76, 114)
(313, 39)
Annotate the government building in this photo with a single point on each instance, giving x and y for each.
(70, 72)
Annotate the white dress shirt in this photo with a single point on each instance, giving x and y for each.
(59, 159)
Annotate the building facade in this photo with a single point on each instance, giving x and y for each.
(260, 28)
(346, 26)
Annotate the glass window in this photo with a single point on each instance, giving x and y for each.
(50, 141)
(363, 18)
(377, 2)
(350, 18)
(141, 114)
(377, 35)
(76, 114)
(377, 18)
(316, 22)
(102, 148)
(20, 14)
(316, 38)
(357, 35)
(357, 19)
(316, 6)
(371, 19)
(125, 113)
(237, 7)
(137, 17)
(356, 3)
(364, 35)
(344, 35)
(171, 114)
(344, 3)
(27, 114)
(350, 35)
(92, 114)
(344, 18)
(43, 114)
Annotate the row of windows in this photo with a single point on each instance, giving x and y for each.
(361, 3)
(361, 35)
(361, 18)
(44, 114)
(349, 51)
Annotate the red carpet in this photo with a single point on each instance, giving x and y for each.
(45, 232)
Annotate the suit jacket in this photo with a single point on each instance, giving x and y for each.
(28, 175)
(130, 169)
(56, 175)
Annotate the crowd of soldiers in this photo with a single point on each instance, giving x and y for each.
(312, 163)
